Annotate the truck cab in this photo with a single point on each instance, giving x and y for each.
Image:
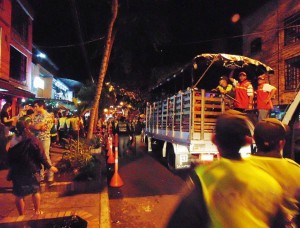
(289, 114)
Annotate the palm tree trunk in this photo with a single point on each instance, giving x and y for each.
(104, 65)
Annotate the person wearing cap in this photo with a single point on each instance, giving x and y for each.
(243, 92)
(269, 136)
(224, 87)
(230, 192)
(264, 93)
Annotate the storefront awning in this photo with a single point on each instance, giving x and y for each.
(10, 90)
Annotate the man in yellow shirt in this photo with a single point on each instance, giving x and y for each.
(269, 135)
(224, 87)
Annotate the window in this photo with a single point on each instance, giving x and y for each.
(20, 20)
(255, 45)
(18, 64)
(292, 29)
(292, 73)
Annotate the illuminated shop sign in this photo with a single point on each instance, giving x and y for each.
(60, 85)
(38, 83)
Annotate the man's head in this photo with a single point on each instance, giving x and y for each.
(39, 105)
(223, 81)
(233, 130)
(242, 76)
(261, 79)
(269, 135)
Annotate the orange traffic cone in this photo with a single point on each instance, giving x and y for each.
(116, 180)
(110, 154)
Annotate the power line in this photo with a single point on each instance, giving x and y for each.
(231, 37)
(71, 45)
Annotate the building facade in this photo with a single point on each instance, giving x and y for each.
(45, 83)
(25, 72)
(15, 52)
(272, 35)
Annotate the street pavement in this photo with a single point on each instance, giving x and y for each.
(63, 199)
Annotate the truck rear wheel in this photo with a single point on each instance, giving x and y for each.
(171, 158)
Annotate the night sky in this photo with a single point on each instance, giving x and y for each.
(151, 35)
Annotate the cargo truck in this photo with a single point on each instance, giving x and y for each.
(179, 125)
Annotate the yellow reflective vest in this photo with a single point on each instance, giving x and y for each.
(238, 194)
(287, 174)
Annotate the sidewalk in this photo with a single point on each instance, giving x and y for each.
(91, 203)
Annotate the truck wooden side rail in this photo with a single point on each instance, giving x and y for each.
(181, 126)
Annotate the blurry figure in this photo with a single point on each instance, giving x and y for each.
(81, 127)
(264, 93)
(62, 128)
(230, 192)
(75, 123)
(139, 129)
(6, 119)
(53, 131)
(114, 124)
(42, 123)
(243, 92)
(99, 125)
(24, 110)
(123, 131)
(226, 90)
(110, 126)
(25, 157)
(4, 143)
(224, 87)
(69, 126)
(269, 135)
(27, 117)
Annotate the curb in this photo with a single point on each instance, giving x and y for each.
(105, 220)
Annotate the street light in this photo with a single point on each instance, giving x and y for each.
(41, 55)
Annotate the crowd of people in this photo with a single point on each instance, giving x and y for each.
(243, 97)
(25, 144)
(26, 140)
(129, 130)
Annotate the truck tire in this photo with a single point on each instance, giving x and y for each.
(146, 143)
(157, 146)
(171, 157)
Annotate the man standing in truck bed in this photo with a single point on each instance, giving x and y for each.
(243, 92)
(264, 94)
